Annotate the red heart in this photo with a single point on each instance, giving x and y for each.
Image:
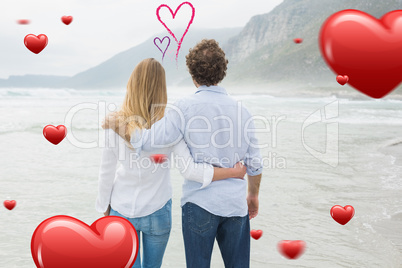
(342, 79)
(35, 43)
(256, 234)
(23, 21)
(291, 249)
(67, 19)
(10, 204)
(298, 40)
(368, 50)
(66, 242)
(55, 134)
(342, 215)
(158, 158)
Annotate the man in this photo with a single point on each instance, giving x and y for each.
(218, 130)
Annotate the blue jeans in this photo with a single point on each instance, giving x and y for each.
(155, 229)
(200, 228)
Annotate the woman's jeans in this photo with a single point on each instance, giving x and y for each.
(155, 229)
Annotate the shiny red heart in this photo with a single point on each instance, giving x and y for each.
(55, 134)
(291, 249)
(23, 21)
(256, 234)
(342, 79)
(10, 204)
(67, 19)
(342, 215)
(158, 158)
(367, 49)
(35, 43)
(298, 40)
(66, 242)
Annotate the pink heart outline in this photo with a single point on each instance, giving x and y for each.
(174, 15)
(161, 41)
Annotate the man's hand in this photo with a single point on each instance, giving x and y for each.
(107, 212)
(239, 170)
(253, 203)
(252, 198)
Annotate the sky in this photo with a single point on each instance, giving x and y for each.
(102, 29)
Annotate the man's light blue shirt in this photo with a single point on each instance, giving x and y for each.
(218, 130)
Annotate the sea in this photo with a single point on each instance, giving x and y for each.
(319, 150)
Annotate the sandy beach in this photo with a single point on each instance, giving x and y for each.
(297, 189)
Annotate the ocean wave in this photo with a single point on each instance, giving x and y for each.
(392, 143)
(54, 93)
(86, 128)
(6, 128)
(38, 128)
(305, 95)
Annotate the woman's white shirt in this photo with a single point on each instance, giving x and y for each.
(139, 187)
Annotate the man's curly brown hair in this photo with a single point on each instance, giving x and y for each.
(206, 63)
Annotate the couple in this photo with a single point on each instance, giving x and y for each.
(208, 132)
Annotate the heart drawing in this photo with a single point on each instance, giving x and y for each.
(55, 134)
(66, 242)
(35, 43)
(161, 42)
(367, 49)
(174, 15)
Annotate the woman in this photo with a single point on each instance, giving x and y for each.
(140, 190)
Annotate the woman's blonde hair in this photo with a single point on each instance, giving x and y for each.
(145, 100)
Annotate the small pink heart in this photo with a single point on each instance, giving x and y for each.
(256, 234)
(67, 19)
(10, 204)
(342, 79)
(161, 42)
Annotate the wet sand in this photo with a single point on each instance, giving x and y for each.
(387, 227)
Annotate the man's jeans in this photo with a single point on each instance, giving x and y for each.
(200, 228)
(155, 229)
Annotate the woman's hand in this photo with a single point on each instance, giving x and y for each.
(239, 170)
(107, 212)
